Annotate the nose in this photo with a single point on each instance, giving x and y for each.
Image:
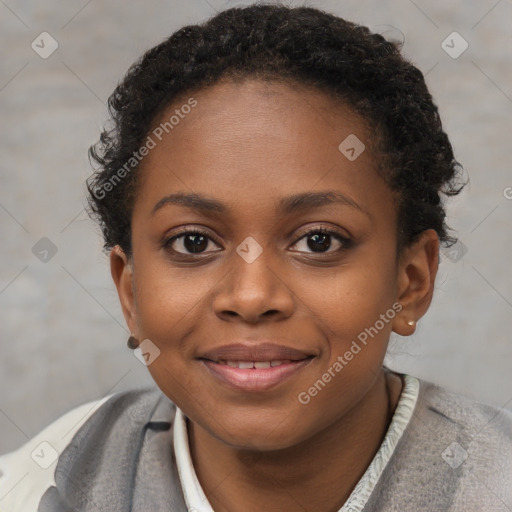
(253, 292)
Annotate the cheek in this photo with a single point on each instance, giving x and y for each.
(167, 297)
(170, 304)
(349, 301)
(354, 311)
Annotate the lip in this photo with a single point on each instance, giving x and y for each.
(254, 380)
(255, 352)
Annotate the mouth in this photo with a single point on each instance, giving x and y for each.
(254, 376)
(262, 352)
(257, 365)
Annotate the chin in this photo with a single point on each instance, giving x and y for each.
(262, 438)
(262, 444)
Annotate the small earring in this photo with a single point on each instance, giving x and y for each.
(132, 342)
(411, 322)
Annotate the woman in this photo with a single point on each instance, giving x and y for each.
(270, 197)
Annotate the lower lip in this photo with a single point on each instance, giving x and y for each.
(255, 379)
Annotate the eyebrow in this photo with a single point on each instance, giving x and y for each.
(286, 205)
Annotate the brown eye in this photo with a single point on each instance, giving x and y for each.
(321, 240)
(189, 242)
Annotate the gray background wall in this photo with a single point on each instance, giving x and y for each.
(62, 333)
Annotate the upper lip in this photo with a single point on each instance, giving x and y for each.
(259, 352)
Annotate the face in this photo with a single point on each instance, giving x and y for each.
(283, 239)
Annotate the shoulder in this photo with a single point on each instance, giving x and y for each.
(472, 436)
(454, 450)
(27, 472)
(467, 413)
(465, 431)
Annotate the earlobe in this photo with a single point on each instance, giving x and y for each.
(121, 269)
(416, 277)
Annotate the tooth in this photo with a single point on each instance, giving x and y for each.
(245, 364)
(275, 363)
(262, 364)
(232, 363)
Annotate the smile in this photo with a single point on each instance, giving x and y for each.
(254, 376)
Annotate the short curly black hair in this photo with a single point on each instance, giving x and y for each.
(293, 45)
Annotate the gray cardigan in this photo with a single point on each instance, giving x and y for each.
(455, 455)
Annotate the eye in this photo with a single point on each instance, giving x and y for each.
(319, 240)
(189, 242)
(196, 241)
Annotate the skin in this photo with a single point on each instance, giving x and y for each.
(248, 145)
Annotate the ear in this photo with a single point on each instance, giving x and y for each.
(121, 269)
(417, 271)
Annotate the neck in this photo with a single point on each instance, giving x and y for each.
(317, 474)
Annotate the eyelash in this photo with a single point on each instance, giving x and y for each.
(345, 242)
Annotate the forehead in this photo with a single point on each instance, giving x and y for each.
(261, 106)
(255, 141)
